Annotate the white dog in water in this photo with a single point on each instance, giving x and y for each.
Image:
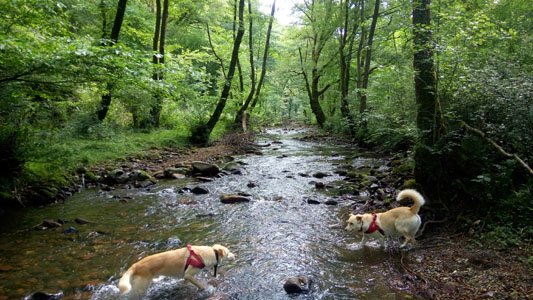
(183, 263)
(400, 221)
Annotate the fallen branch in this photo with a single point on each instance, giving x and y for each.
(421, 231)
(498, 147)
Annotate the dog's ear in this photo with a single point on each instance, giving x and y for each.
(359, 218)
(219, 252)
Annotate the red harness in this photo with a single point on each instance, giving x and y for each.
(194, 259)
(374, 226)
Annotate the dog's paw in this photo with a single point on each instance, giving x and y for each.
(209, 289)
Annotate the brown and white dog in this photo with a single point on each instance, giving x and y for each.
(399, 221)
(182, 263)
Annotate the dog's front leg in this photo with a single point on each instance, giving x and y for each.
(194, 281)
(382, 240)
(363, 240)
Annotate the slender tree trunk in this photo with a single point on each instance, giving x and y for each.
(239, 68)
(240, 113)
(106, 98)
(345, 59)
(313, 92)
(318, 39)
(368, 58)
(155, 110)
(202, 133)
(265, 56)
(155, 42)
(220, 61)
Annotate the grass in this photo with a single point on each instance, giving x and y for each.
(54, 159)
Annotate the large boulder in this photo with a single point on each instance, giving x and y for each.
(205, 169)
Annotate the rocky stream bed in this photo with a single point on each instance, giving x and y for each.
(448, 263)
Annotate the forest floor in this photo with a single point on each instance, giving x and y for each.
(444, 265)
(449, 265)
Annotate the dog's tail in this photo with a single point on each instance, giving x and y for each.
(124, 285)
(417, 198)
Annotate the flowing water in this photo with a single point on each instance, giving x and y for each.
(275, 236)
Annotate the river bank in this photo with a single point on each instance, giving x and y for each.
(448, 263)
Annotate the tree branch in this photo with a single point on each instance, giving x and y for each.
(498, 147)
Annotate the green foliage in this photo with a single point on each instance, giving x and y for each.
(511, 219)
(12, 155)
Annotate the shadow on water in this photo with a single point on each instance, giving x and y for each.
(275, 236)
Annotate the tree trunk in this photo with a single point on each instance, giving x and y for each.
(202, 133)
(346, 43)
(155, 110)
(318, 38)
(428, 114)
(155, 42)
(106, 98)
(265, 56)
(240, 113)
(313, 92)
(428, 170)
(368, 58)
(253, 96)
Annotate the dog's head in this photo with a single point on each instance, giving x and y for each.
(357, 222)
(223, 252)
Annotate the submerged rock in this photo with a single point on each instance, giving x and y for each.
(44, 296)
(198, 190)
(229, 199)
(297, 285)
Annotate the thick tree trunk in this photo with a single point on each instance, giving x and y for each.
(428, 114)
(428, 169)
(107, 97)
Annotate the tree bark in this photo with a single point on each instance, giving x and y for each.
(318, 38)
(368, 58)
(255, 91)
(202, 133)
(346, 44)
(428, 111)
(155, 110)
(240, 113)
(117, 25)
(428, 169)
(265, 56)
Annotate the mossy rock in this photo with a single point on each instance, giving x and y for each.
(409, 183)
(355, 175)
(407, 167)
(90, 176)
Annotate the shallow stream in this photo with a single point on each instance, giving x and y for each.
(275, 236)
